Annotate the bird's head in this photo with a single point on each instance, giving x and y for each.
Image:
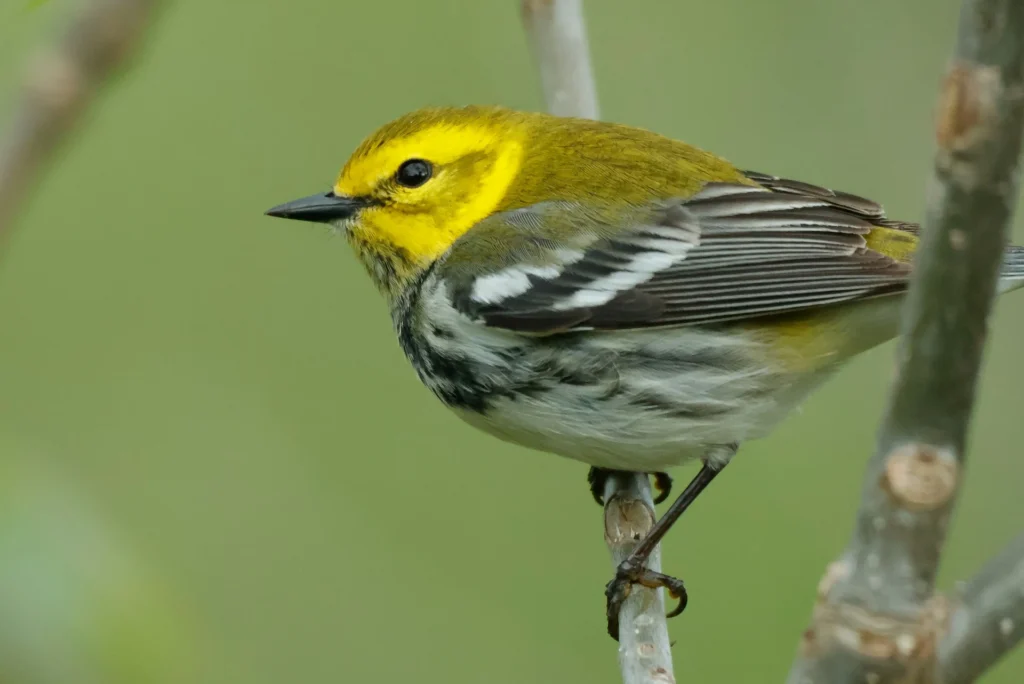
(417, 184)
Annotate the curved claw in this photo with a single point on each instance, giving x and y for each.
(615, 593)
(663, 483)
(618, 590)
(678, 593)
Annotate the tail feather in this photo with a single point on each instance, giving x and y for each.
(1012, 276)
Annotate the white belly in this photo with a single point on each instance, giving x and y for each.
(614, 433)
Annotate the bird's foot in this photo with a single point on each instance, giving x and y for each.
(632, 571)
(598, 477)
(663, 483)
(629, 573)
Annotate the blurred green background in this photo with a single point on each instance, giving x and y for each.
(223, 391)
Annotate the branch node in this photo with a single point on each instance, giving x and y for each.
(54, 81)
(921, 477)
(835, 572)
(968, 106)
(660, 675)
(626, 519)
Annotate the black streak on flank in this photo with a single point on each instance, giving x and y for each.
(453, 378)
(696, 410)
(442, 333)
(551, 374)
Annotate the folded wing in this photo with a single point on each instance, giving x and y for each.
(731, 252)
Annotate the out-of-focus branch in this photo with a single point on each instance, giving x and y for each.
(558, 39)
(61, 81)
(987, 620)
(877, 617)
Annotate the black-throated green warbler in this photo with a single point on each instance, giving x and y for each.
(611, 295)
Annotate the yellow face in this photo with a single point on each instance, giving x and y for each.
(424, 180)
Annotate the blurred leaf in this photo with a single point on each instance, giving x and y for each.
(75, 606)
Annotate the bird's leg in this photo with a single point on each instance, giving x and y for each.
(633, 571)
(597, 477)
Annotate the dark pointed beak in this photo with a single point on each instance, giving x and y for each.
(322, 208)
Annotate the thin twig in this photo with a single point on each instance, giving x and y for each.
(558, 39)
(60, 83)
(988, 619)
(878, 618)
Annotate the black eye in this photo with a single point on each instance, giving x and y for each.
(414, 172)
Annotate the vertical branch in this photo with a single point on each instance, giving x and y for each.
(558, 40)
(61, 82)
(878, 618)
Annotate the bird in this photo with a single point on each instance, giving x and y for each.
(608, 294)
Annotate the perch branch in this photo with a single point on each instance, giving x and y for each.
(645, 653)
(61, 81)
(558, 40)
(877, 617)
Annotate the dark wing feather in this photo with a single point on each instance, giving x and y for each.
(731, 252)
